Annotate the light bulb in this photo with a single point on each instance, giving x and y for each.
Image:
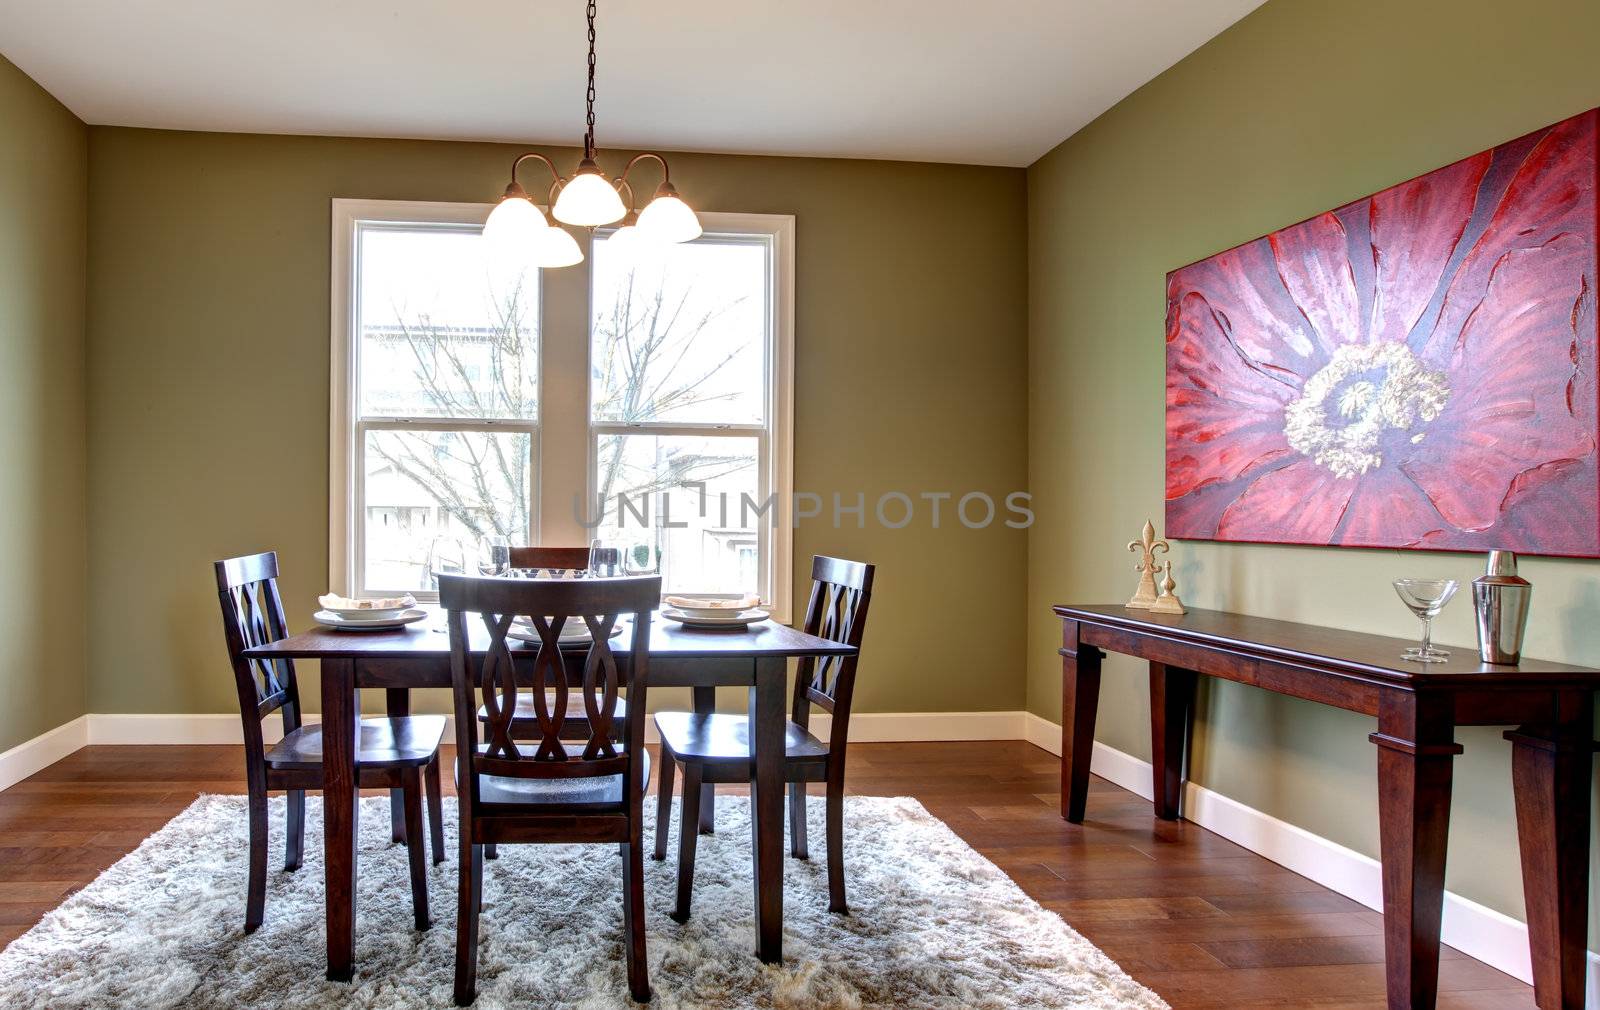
(557, 248)
(667, 218)
(515, 223)
(588, 199)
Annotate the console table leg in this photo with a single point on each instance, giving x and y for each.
(1080, 701)
(1416, 751)
(1550, 774)
(1171, 700)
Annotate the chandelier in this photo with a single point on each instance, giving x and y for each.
(589, 199)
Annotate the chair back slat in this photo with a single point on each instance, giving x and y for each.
(550, 557)
(252, 615)
(497, 678)
(837, 611)
(491, 676)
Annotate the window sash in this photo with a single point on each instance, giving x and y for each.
(358, 505)
(766, 535)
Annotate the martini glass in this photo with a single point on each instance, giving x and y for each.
(1425, 598)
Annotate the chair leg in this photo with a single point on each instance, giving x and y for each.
(255, 902)
(663, 804)
(835, 817)
(435, 810)
(397, 815)
(797, 820)
(633, 920)
(708, 810)
(470, 904)
(687, 838)
(294, 848)
(412, 800)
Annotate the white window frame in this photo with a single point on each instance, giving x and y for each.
(565, 439)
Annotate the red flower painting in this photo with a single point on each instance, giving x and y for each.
(1415, 369)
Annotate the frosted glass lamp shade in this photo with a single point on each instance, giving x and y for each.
(588, 199)
(557, 248)
(514, 225)
(667, 218)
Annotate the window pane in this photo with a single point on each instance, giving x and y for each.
(715, 549)
(430, 495)
(446, 330)
(680, 332)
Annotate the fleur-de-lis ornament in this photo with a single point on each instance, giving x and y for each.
(1147, 546)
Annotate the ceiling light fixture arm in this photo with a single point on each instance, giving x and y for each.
(515, 189)
(666, 173)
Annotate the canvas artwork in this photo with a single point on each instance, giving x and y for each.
(1415, 369)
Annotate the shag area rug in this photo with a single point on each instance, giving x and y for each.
(933, 924)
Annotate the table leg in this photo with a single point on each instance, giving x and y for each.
(766, 802)
(705, 703)
(1171, 701)
(341, 711)
(1416, 752)
(398, 703)
(1080, 700)
(1550, 775)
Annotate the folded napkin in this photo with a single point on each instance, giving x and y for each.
(742, 603)
(331, 601)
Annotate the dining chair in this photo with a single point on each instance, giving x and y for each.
(547, 788)
(525, 726)
(394, 752)
(715, 748)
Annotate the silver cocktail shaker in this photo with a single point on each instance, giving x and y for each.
(1500, 602)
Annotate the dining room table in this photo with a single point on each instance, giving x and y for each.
(418, 656)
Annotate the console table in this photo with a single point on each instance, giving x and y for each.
(1418, 707)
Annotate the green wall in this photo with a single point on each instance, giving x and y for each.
(1302, 106)
(208, 382)
(43, 568)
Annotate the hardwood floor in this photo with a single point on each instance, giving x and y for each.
(1196, 918)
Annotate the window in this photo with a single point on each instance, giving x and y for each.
(642, 398)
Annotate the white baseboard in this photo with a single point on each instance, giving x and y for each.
(173, 729)
(1478, 931)
(908, 727)
(42, 751)
(192, 728)
(865, 727)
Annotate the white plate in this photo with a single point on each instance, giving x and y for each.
(330, 619)
(369, 613)
(713, 613)
(742, 619)
(366, 616)
(570, 632)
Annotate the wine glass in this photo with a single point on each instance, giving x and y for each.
(494, 555)
(446, 556)
(603, 558)
(1425, 598)
(639, 559)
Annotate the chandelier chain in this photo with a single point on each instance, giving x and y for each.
(588, 137)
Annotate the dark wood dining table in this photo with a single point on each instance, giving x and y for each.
(418, 656)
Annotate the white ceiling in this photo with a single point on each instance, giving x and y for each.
(929, 80)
